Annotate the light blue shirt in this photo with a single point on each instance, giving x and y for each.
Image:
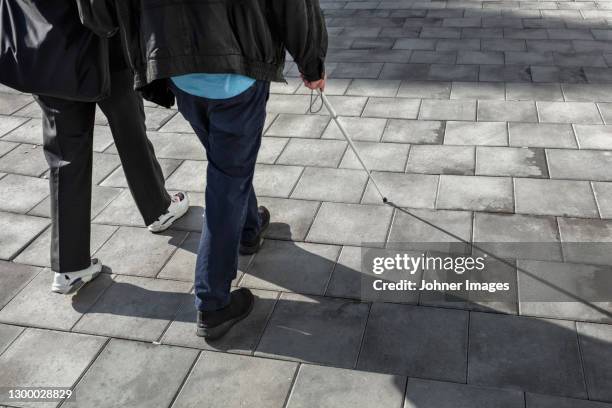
(213, 86)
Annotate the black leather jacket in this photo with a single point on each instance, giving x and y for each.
(164, 38)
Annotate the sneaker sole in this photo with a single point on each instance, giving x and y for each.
(215, 333)
(168, 222)
(67, 290)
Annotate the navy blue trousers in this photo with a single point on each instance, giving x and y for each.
(230, 130)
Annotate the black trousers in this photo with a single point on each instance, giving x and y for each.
(68, 144)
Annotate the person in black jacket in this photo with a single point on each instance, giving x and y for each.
(217, 58)
(68, 135)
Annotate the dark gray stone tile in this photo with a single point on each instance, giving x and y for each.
(591, 240)
(425, 89)
(555, 197)
(547, 401)
(414, 131)
(509, 111)
(100, 198)
(340, 185)
(13, 278)
(478, 90)
(305, 152)
(514, 162)
(452, 72)
(276, 181)
(7, 335)
(476, 133)
(595, 342)
(290, 125)
(17, 232)
(377, 156)
(405, 71)
(569, 112)
(392, 108)
(405, 190)
(314, 329)
(529, 92)
(438, 352)
(270, 149)
(448, 110)
(380, 88)
(441, 160)
(545, 357)
(478, 193)
(360, 129)
(122, 210)
(541, 135)
(115, 378)
(291, 219)
(569, 164)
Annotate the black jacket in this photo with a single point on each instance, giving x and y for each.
(164, 38)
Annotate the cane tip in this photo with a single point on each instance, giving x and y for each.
(385, 200)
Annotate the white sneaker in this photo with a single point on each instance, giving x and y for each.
(178, 207)
(69, 282)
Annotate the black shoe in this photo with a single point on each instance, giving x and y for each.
(213, 325)
(250, 247)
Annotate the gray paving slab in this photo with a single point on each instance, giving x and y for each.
(177, 124)
(100, 198)
(189, 176)
(541, 135)
(28, 160)
(31, 110)
(51, 310)
(529, 92)
(291, 219)
(318, 153)
(270, 149)
(414, 131)
(515, 162)
(441, 160)
(438, 394)
(8, 334)
(595, 347)
(336, 87)
(343, 105)
(510, 111)
(392, 108)
(569, 112)
(292, 125)
(242, 339)
(35, 359)
(351, 70)
(292, 267)
(450, 72)
(555, 197)
(315, 329)
(117, 177)
(11, 103)
(478, 90)
(424, 89)
(135, 308)
(288, 104)
(405, 71)
(339, 185)
(405, 190)
(136, 251)
(115, 378)
(328, 387)
(478, 193)
(17, 232)
(432, 109)
(175, 146)
(22, 192)
(225, 380)
(603, 196)
(103, 139)
(377, 156)
(14, 278)
(276, 181)
(547, 401)
(545, 358)
(6, 147)
(564, 291)
(103, 166)
(433, 57)
(380, 88)
(389, 345)
(38, 252)
(587, 92)
(476, 133)
(594, 236)
(594, 136)
(8, 123)
(122, 210)
(360, 129)
(569, 164)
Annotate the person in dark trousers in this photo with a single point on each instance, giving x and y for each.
(68, 136)
(218, 58)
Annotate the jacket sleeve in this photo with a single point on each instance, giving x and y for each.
(99, 16)
(301, 26)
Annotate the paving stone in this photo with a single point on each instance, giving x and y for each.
(117, 177)
(336, 87)
(569, 164)
(292, 267)
(225, 380)
(476, 133)
(344, 105)
(414, 44)
(121, 211)
(275, 181)
(352, 70)
(513, 162)
(103, 166)
(306, 152)
(242, 339)
(174, 146)
(406, 190)
(377, 156)
(555, 197)
(17, 232)
(102, 140)
(285, 88)
(28, 160)
(360, 129)
(288, 104)
(38, 252)
(586, 240)
(11, 103)
(424, 89)
(594, 344)
(587, 92)
(100, 198)
(603, 195)
(328, 387)
(298, 126)
(22, 192)
(541, 135)
(450, 72)
(413, 131)
(6, 147)
(380, 88)
(270, 149)
(189, 176)
(388, 346)
(502, 44)
(513, 235)
(314, 329)
(135, 308)
(478, 90)
(177, 124)
(35, 359)
(433, 57)
(7, 335)
(51, 310)
(508, 73)
(547, 401)
(291, 219)
(392, 108)
(135, 251)
(404, 71)
(441, 160)
(480, 57)
(31, 110)
(545, 359)
(594, 136)
(476, 193)
(463, 44)
(549, 45)
(118, 369)
(510, 111)
(569, 112)
(8, 123)
(564, 291)
(13, 278)
(448, 110)
(430, 394)
(440, 32)
(529, 92)
(529, 58)
(324, 184)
